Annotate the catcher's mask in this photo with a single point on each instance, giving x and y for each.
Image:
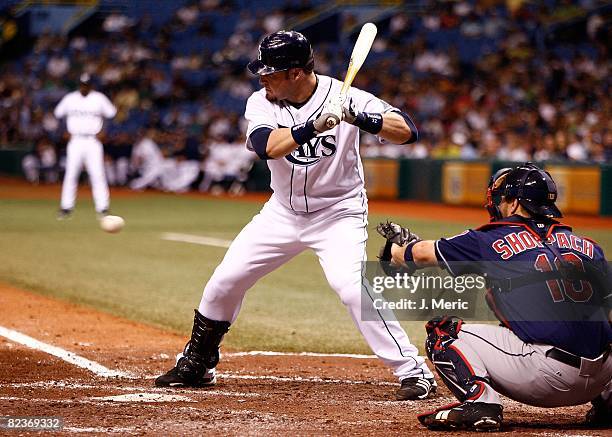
(533, 187)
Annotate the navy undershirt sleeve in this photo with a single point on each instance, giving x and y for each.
(414, 133)
(259, 141)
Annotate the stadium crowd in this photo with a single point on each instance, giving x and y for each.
(482, 79)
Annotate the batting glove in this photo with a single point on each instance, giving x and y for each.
(332, 110)
(369, 122)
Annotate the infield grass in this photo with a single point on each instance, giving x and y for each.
(136, 274)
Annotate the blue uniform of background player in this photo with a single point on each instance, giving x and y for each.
(548, 287)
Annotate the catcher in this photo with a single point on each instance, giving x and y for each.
(552, 347)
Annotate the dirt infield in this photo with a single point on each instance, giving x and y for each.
(14, 188)
(255, 395)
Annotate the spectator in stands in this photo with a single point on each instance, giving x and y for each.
(58, 65)
(117, 155)
(41, 164)
(183, 168)
(576, 150)
(514, 149)
(545, 149)
(116, 22)
(473, 73)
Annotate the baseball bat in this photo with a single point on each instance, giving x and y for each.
(358, 57)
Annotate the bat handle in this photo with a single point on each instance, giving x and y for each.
(335, 108)
(331, 122)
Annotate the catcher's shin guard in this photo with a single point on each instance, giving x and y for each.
(451, 365)
(201, 354)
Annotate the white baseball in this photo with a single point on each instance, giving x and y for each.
(112, 223)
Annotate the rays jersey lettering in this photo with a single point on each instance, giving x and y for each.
(328, 168)
(84, 114)
(313, 151)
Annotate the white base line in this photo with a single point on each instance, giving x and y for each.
(196, 239)
(63, 354)
(294, 354)
(311, 379)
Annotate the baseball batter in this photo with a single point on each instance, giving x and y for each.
(550, 289)
(319, 203)
(85, 111)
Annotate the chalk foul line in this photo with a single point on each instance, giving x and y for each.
(196, 239)
(295, 354)
(63, 354)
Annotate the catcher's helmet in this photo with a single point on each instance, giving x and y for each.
(281, 51)
(533, 187)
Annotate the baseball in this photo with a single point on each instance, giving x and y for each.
(112, 223)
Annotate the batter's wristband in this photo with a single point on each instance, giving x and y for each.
(408, 257)
(304, 132)
(369, 122)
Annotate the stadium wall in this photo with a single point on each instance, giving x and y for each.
(10, 160)
(583, 188)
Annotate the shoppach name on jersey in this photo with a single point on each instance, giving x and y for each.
(518, 242)
(313, 151)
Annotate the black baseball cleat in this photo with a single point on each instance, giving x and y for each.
(599, 415)
(413, 389)
(183, 375)
(195, 367)
(64, 214)
(474, 416)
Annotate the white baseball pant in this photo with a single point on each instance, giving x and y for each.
(87, 151)
(338, 236)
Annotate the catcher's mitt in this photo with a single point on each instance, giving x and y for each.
(394, 234)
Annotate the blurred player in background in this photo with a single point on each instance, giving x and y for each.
(85, 111)
(148, 161)
(41, 164)
(117, 153)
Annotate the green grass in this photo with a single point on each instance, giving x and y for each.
(137, 275)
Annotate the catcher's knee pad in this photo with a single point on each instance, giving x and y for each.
(441, 332)
(450, 363)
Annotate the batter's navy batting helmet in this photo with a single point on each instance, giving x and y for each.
(281, 51)
(533, 187)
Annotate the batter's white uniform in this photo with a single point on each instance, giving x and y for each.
(319, 203)
(84, 120)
